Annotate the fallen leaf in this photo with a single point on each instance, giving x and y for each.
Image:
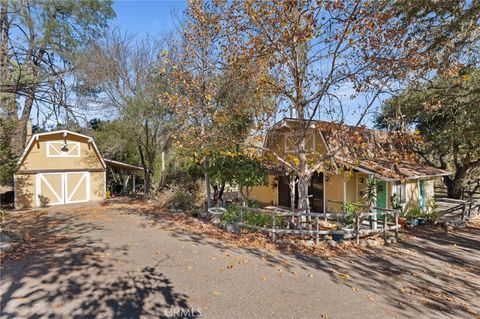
(264, 278)
(216, 293)
(344, 276)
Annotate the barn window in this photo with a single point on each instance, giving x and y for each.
(63, 149)
(291, 141)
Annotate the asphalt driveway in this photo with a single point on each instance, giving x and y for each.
(117, 263)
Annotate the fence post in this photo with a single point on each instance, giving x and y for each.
(357, 226)
(241, 215)
(463, 211)
(396, 224)
(316, 227)
(273, 226)
(385, 227)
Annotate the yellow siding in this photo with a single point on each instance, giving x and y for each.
(351, 189)
(334, 192)
(266, 194)
(97, 186)
(411, 193)
(25, 190)
(429, 190)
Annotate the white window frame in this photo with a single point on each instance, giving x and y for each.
(400, 189)
(76, 146)
(292, 134)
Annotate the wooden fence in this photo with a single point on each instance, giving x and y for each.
(274, 229)
(441, 191)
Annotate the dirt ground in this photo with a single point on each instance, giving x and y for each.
(129, 259)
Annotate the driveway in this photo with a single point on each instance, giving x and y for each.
(115, 262)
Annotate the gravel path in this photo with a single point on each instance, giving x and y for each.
(124, 265)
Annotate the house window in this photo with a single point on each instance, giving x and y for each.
(63, 149)
(399, 190)
(291, 142)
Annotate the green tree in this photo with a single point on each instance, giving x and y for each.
(445, 113)
(125, 80)
(38, 52)
(232, 168)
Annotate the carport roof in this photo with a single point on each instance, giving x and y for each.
(123, 166)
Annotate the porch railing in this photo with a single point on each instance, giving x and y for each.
(274, 229)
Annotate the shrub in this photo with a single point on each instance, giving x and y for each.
(176, 198)
(232, 215)
(261, 219)
(414, 213)
(348, 211)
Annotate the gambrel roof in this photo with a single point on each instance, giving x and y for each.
(65, 134)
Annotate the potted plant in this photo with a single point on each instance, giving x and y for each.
(338, 234)
(395, 202)
(412, 216)
(348, 219)
(422, 218)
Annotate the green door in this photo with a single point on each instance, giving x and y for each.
(422, 194)
(381, 198)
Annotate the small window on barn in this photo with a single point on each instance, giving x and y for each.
(63, 149)
(291, 142)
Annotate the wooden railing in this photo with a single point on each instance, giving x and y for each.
(305, 218)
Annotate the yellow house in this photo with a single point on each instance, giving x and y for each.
(353, 155)
(62, 167)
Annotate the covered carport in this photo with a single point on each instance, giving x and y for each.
(131, 170)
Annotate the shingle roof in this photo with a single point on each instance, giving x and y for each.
(388, 155)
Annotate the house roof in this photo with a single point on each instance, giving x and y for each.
(388, 155)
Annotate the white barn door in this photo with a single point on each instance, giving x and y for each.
(62, 188)
(77, 187)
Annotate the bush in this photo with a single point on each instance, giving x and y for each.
(414, 213)
(176, 198)
(232, 215)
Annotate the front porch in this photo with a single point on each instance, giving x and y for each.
(327, 192)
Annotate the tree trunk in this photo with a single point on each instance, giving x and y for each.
(303, 177)
(207, 185)
(454, 184)
(454, 187)
(292, 192)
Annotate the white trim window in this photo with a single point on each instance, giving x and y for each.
(399, 189)
(291, 141)
(63, 149)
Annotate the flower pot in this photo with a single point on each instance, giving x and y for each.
(232, 228)
(402, 221)
(347, 233)
(413, 222)
(422, 221)
(338, 235)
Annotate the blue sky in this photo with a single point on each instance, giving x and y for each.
(147, 17)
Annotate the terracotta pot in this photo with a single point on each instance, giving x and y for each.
(402, 221)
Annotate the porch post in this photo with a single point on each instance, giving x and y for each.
(133, 183)
(374, 217)
(324, 198)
